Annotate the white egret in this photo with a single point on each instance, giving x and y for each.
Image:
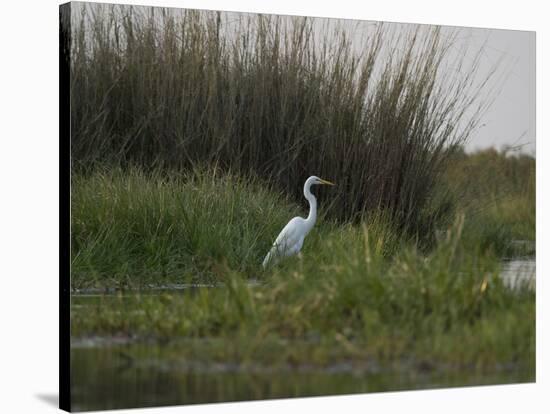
(290, 240)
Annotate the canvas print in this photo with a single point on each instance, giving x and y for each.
(265, 206)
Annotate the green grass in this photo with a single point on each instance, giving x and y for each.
(496, 190)
(131, 228)
(358, 291)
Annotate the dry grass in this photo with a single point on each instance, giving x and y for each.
(279, 97)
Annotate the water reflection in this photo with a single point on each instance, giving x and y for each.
(517, 273)
(140, 375)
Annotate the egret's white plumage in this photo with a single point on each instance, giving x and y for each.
(291, 238)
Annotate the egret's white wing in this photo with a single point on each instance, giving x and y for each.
(287, 240)
(289, 236)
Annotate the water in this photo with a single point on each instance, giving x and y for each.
(143, 375)
(155, 289)
(519, 272)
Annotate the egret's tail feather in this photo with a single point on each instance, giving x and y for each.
(266, 260)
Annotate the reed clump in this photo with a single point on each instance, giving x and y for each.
(277, 97)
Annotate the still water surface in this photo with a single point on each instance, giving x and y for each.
(519, 272)
(106, 378)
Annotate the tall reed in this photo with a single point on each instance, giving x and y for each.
(279, 97)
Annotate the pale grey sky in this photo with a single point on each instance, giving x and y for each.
(511, 119)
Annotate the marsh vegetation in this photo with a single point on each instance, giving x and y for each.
(192, 134)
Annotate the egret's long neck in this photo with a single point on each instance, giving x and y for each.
(312, 216)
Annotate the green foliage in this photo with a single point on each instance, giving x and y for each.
(344, 297)
(131, 227)
(496, 190)
(357, 292)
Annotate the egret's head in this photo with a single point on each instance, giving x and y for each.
(316, 180)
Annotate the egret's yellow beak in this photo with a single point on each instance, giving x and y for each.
(321, 181)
